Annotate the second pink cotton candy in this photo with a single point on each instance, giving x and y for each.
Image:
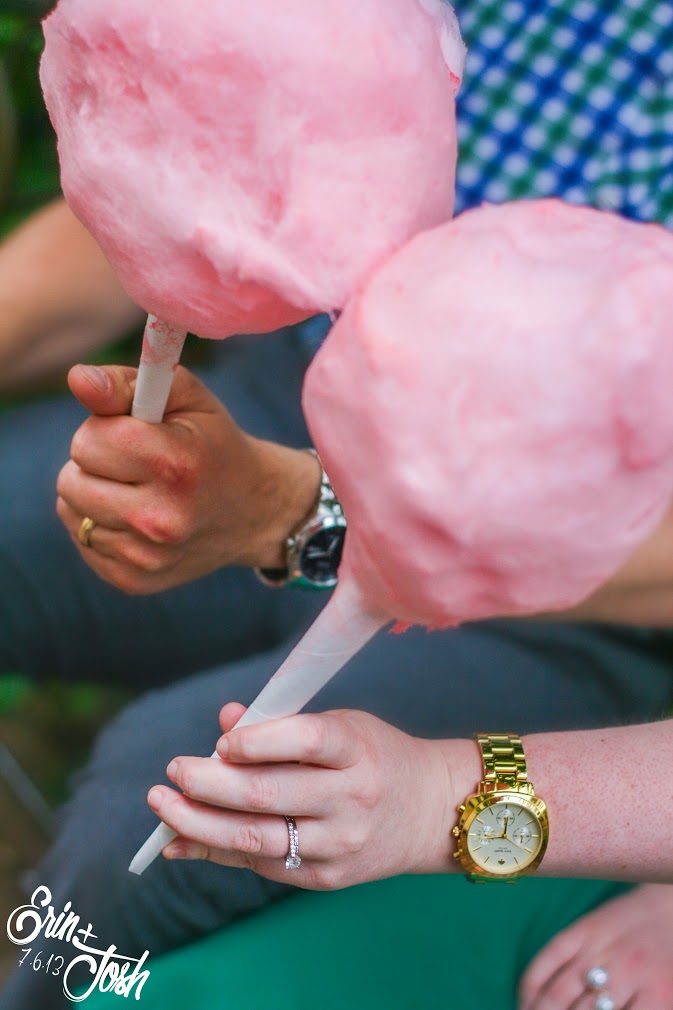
(494, 409)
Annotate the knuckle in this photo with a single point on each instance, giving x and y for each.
(143, 559)
(316, 737)
(353, 841)
(248, 839)
(262, 793)
(328, 877)
(366, 792)
(185, 779)
(61, 507)
(79, 443)
(177, 470)
(62, 481)
(125, 581)
(167, 529)
(241, 747)
(173, 811)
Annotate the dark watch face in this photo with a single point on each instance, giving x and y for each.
(321, 555)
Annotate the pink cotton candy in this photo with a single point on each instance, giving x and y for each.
(243, 163)
(495, 410)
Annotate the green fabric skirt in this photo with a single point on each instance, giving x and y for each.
(409, 943)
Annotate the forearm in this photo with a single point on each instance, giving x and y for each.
(608, 793)
(59, 298)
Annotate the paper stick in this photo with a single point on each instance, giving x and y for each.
(162, 347)
(337, 634)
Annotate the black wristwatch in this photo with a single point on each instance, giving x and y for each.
(313, 551)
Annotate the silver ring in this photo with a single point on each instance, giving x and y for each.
(597, 978)
(293, 859)
(605, 1002)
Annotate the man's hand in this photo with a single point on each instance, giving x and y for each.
(177, 500)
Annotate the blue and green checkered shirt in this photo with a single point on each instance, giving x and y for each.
(566, 98)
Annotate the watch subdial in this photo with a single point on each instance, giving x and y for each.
(482, 835)
(522, 836)
(505, 816)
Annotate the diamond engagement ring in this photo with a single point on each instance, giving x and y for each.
(293, 859)
(597, 979)
(605, 1002)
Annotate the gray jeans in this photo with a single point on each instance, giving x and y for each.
(494, 676)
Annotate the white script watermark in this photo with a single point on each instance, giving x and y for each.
(113, 972)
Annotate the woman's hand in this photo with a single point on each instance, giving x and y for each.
(631, 937)
(369, 801)
(174, 501)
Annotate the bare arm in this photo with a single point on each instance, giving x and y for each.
(375, 802)
(641, 592)
(609, 796)
(59, 298)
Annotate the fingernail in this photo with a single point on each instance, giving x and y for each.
(96, 376)
(154, 799)
(172, 769)
(177, 850)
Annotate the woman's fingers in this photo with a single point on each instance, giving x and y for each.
(568, 988)
(329, 740)
(246, 837)
(548, 968)
(263, 789)
(230, 714)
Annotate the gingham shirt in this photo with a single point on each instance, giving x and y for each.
(566, 98)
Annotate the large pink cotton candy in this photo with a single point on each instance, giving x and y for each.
(242, 163)
(495, 410)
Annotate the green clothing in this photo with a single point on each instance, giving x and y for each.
(409, 943)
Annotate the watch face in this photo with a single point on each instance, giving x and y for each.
(321, 555)
(504, 837)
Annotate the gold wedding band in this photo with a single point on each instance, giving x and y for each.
(84, 532)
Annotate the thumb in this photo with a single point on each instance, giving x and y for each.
(230, 715)
(105, 391)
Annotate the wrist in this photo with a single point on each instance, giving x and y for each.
(455, 770)
(296, 476)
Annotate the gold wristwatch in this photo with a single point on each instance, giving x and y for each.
(503, 828)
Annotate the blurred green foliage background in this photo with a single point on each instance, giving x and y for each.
(28, 164)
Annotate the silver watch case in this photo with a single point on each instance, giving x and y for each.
(328, 515)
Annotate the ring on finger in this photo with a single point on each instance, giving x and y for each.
(85, 530)
(293, 859)
(605, 1002)
(597, 978)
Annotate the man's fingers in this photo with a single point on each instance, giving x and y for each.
(106, 502)
(104, 390)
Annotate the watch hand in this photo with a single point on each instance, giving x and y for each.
(519, 847)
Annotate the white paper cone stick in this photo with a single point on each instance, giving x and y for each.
(162, 347)
(337, 634)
